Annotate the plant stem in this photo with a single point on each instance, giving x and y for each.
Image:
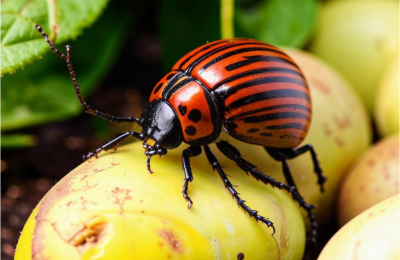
(227, 9)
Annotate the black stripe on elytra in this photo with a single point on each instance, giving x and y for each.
(172, 82)
(238, 51)
(251, 59)
(216, 50)
(288, 126)
(202, 49)
(170, 76)
(274, 116)
(290, 106)
(156, 89)
(258, 71)
(176, 87)
(271, 94)
(224, 93)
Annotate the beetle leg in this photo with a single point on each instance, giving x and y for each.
(113, 143)
(296, 196)
(88, 109)
(293, 153)
(153, 150)
(233, 153)
(282, 155)
(216, 166)
(186, 154)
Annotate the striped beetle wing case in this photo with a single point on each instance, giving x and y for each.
(253, 89)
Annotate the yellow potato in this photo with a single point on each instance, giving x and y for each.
(112, 208)
(372, 235)
(340, 131)
(359, 39)
(387, 101)
(374, 177)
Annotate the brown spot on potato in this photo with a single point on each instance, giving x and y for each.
(319, 85)
(121, 196)
(169, 237)
(95, 170)
(370, 163)
(356, 247)
(339, 142)
(386, 172)
(327, 129)
(342, 123)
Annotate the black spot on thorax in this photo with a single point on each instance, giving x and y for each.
(190, 130)
(195, 115)
(182, 110)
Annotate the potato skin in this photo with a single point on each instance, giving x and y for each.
(372, 235)
(372, 179)
(359, 39)
(387, 101)
(112, 208)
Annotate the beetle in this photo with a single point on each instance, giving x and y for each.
(250, 89)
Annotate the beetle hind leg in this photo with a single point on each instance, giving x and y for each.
(282, 155)
(253, 213)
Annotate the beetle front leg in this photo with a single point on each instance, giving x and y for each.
(186, 154)
(113, 143)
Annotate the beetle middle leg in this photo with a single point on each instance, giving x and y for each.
(233, 153)
(216, 166)
(186, 154)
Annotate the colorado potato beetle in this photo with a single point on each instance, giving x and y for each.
(250, 89)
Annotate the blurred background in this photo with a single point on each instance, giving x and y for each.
(128, 46)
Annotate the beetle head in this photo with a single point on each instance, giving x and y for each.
(160, 123)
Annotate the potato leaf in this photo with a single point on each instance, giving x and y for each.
(17, 141)
(279, 22)
(44, 92)
(20, 42)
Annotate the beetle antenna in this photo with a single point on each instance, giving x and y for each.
(87, 108)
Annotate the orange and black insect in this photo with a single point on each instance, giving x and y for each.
(250, 89)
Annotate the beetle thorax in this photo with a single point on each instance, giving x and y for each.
(160, 123)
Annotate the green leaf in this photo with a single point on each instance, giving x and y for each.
(17, 141)
(279, 22)
(185, 25)
(44, 92)
(21, 43)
